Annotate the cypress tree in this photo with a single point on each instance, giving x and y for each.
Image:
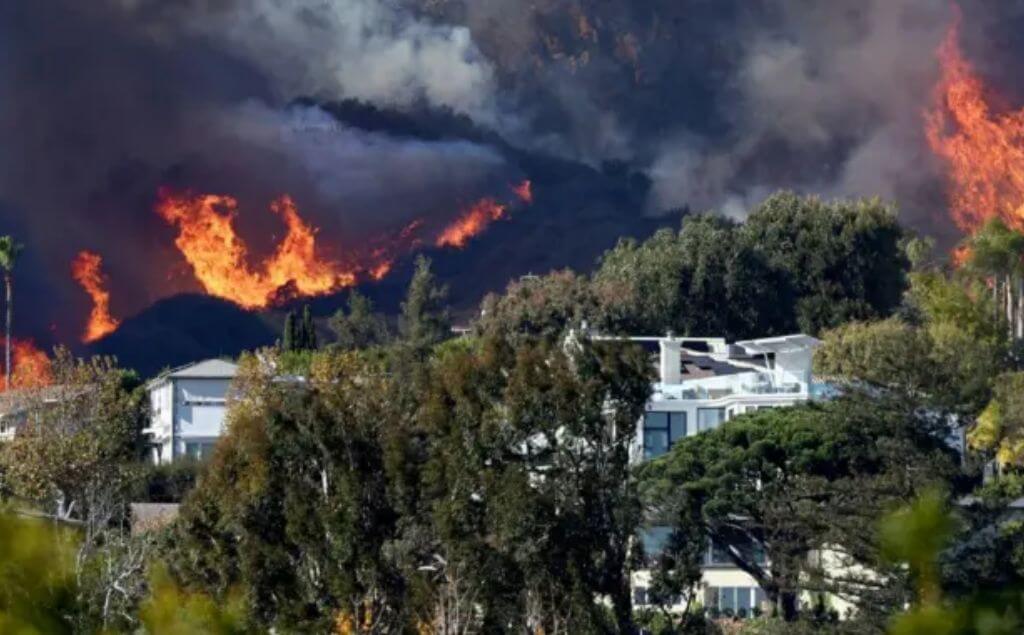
(308, 330)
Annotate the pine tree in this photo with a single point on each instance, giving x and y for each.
(425, 319)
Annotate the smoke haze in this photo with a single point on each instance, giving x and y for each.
(718, 103)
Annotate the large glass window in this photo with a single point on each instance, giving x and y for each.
(709, 418)
(661, 430)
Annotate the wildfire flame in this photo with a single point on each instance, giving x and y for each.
(984, 150)
(471, 223)
(31, 367)
(524, 191)
(220, 258)
(86, 271)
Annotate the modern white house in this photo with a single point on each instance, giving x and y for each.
(703, 382)
(188, 407)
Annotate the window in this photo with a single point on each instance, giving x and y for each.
(709, 418)
(640, 596)
(739, 601)
(199, 450)
(661, 430)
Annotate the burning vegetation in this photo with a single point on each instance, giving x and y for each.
(87, 271)
(983, 148)
(471, 224)
(30, 367)
(220, 258)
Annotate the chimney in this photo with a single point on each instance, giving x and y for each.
(671, 360)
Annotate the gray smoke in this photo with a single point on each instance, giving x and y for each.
(720, 103)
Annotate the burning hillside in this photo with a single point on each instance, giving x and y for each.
(222, 263)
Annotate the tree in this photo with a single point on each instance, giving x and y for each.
(425, 319)
(538, 306)
(295, 506)
(9, 252)
(528, 482)
(772, 488)
(845, 258)
(75, 457)
(916, 535)
(996, 252)
(796, 263)
(290, 336)
(308, 330)
(361, 327)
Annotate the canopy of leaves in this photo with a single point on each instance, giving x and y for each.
(794, 480)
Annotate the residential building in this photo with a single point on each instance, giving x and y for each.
(188, 407)
(703, 382)
(18, 404)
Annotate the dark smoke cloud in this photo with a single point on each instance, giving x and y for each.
(718, 102)
(102, 102)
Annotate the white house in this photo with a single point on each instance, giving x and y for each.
(188, 407)
(703, 382)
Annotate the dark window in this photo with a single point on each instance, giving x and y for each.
(661, 430)
(640, 596)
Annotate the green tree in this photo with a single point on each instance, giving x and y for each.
(528, 479)
(538, 306)
(37, 578)
(796, 263)
(295, 506)
(996, 252)
(361, 327)
(425, 318)
(9, 252)
(308, 330)
(772, 488)
(290, 336)
(916, 535)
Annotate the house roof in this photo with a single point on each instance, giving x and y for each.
(783, 344)
(206, 369)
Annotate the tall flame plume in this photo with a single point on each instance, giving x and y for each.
(86, 269)
(220, 258)
(983, 149)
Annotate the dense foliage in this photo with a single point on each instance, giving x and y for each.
(405, 480)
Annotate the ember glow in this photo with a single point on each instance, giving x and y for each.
(472, 223)
(220, 258)
(983, 149)
(86, 270)
(524, 191)
(31, 367)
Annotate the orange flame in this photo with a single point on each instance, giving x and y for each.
(471, 223)
(30, 366)
(984, 150)
(86, 270)
(961, 255)
(524, 191)
(219, 257)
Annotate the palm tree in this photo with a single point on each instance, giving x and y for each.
(9, 251)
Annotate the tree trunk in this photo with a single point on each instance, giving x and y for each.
(8, 283)
(787, 605)
(622, 605)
